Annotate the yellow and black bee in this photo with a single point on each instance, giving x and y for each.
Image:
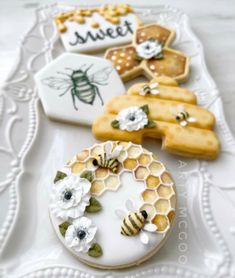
(102, 161)
(183, 116)
(109, 158)
(133, 223)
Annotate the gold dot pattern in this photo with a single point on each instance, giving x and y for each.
(152, 32)
(123, 59)
(171, 65)
(111, 13)
(159, 199)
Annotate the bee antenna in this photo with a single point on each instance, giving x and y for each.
(69, 69)
(88, 68)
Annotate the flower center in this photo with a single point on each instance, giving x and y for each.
(132, 118)
(147, 47)
(68, 195)
(81, 234)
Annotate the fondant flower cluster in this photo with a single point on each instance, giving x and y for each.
(70, 199)
(133, 118)
(149, 49)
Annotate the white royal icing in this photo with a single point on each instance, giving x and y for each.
(83, 38)
(132, 118)
(149, 49)
(81, 225)
(73, 204)
(77, 97)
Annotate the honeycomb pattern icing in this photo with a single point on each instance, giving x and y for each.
(158, 197)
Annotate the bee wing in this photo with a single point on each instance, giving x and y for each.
(130, 205)
(116, 152)
(191, 120)
(153, 85)
(174, 111)
(108, 149)
(154, 92)
(101, 76)
(120, 213)
(57, 83)
(183, 123)
(150, 227)
(180, 108)
(144, 237)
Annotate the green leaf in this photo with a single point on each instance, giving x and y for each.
(59, 176)
(95, 250)
(94, 206)
(87, 175)
(115, 124)
(63, 227)
(150, 124)
(138, 58)
(159, 56)
(145, 108)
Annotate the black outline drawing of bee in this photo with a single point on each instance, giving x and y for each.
(81, 85)
(109, 158)
(182, 116)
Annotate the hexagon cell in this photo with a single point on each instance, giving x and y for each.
(112, 182)
(96, 150)
(141, 173)
(130, 164)
(162, 206)
(166, 178)
(78, 167)
(101, 172)
(165, 191)
(134, 151)
(161, 221)
(156, 168)
(97, 187)
(82, 155)
(145, 159)
(149, 196)
(152, 181)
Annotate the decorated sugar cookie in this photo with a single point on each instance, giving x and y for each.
(150, 55)
(113, 205)
(74, 87)
(160, 109)
(89, 30)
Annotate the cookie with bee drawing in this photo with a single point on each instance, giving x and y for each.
(74, 87)
(113, 205)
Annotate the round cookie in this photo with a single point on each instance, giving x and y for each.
(113, 205)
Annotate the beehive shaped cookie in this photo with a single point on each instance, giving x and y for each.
(150, 55)
(113, 205)
(161, 110)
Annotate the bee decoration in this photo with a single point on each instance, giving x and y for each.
(135, 222)
(182, 116)
(109, 158)
(149, 89)
(80, 84)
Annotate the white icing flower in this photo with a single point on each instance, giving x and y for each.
(132, 118)
(70, 196)
(149, 89)
(80, 234)
(149, 49)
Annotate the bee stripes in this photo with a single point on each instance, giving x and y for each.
(133, 223)
(103, 162)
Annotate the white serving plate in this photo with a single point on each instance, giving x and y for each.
(32, 148)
